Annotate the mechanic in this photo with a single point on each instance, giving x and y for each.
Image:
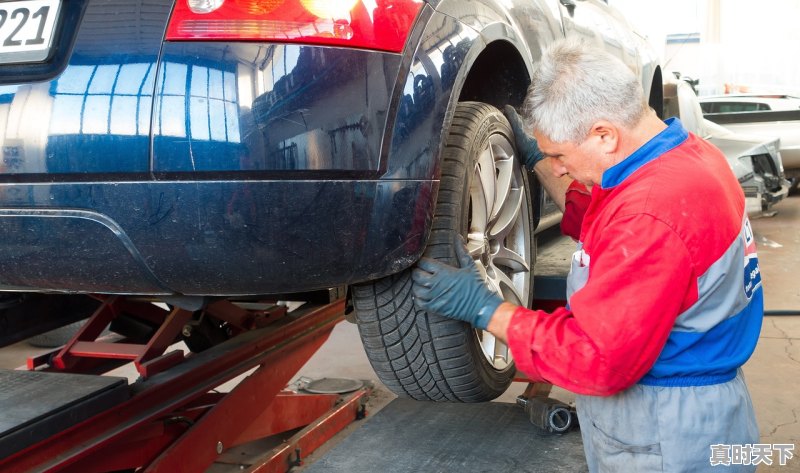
(664, 298)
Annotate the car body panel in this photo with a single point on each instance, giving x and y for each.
(528, 25)
(787, 130)
(423, 106)
(271, 107)
(236, 168)
(321, 221)
(209, 237)
(96, 112)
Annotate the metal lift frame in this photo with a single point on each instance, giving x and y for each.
(174, 421)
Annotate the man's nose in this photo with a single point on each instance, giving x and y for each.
(558, 168)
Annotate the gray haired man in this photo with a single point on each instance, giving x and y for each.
(664, 293)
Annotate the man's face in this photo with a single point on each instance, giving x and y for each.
(582, 162)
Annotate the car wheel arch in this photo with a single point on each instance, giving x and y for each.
(469, 84)
(508, 84)
(496, 48)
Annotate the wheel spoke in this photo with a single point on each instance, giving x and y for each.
(504, 166)
(506, 287)
(487, 178)
(509, 214)
(488, 342)
(495, 348)
(493, 281)
(501, 353)
(479, 212)
(475, 244)
(510, 259)
(484, 275)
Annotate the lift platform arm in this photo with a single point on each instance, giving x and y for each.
(173, 420)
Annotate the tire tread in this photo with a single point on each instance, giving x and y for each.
(416, 354)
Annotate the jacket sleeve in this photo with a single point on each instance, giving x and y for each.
(575, 204)
(640, 279)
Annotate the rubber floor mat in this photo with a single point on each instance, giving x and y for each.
(411, 436)
(35, 405)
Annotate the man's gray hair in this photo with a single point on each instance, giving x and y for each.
(576, 84)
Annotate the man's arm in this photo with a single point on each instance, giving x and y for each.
(617, 324)
(641, 275)
(529, 154)
(498, 324)
(555, 186)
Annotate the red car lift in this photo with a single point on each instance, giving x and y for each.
(171, 419)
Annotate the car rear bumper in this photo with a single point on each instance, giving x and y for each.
(209, 237)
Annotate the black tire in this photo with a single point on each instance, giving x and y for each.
(426, 356)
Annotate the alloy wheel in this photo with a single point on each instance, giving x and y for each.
(499, 237)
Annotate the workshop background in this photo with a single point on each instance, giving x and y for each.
(739, 42)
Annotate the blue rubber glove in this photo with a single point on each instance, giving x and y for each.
(459, 293)
(527, 147)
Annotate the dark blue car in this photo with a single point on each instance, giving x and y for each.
(240, 148)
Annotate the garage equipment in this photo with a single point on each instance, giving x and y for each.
(548, 415)
(172, 418)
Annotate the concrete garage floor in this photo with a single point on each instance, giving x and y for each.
(773, 373)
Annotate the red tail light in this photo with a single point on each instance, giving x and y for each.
(371, 24)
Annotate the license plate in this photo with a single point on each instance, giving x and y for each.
(26, 29)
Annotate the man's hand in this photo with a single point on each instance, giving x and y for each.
(528, 149)
(459, 293)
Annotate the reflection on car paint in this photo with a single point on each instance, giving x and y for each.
(95, 116)
(427, 87)
(81, 90)
(275, 108)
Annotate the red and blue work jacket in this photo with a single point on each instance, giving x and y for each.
(665, 287)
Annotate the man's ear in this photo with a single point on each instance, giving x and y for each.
(606, 135)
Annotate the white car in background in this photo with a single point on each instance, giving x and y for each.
(755, 160)
(761, 115)
(748, 103)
